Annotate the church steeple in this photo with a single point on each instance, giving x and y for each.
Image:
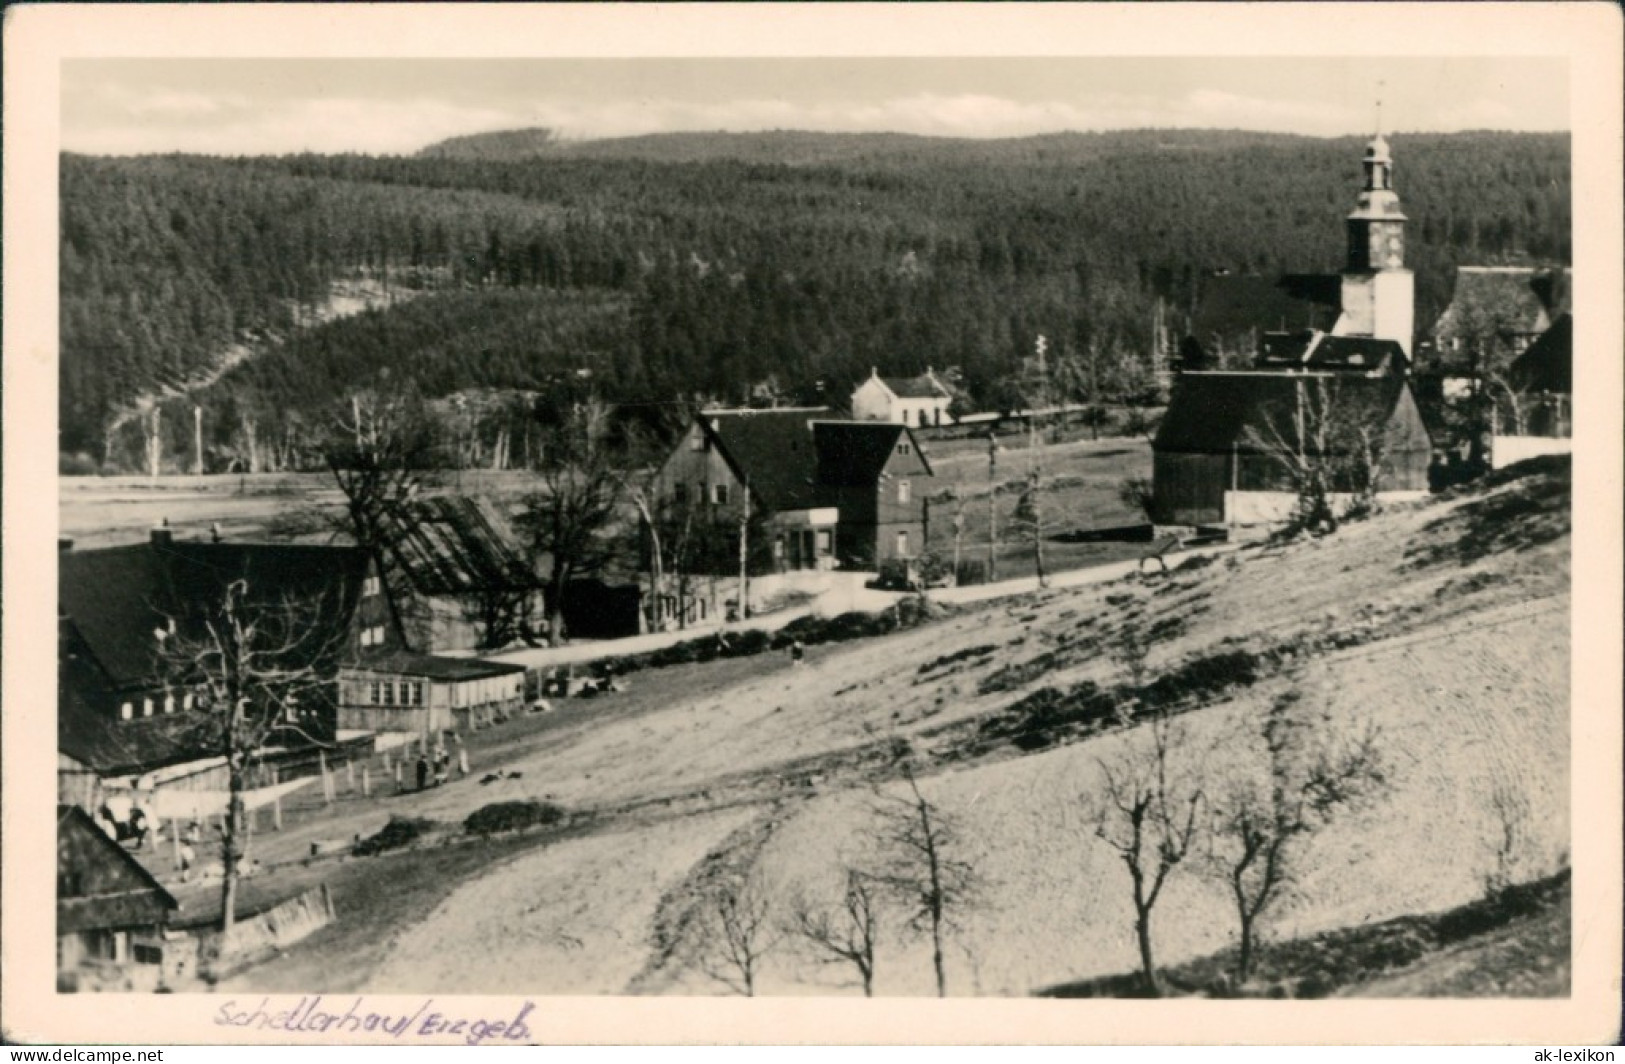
(1376, 226)
(1378, 291)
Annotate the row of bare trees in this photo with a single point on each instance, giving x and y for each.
(915, 876)
(1157, 809)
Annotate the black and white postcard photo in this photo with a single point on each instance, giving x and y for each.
(756, 519)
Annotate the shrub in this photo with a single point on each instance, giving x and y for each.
(512, 816)
(76, 464)
(400, 832)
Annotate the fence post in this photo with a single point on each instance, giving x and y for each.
(276, 799)
(327, 784)
(366, 782)
(349, 772)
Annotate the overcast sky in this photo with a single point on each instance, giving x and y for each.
(252, 106)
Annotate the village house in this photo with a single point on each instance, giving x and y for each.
(1534, 402)
(1224, 451)
(460, 567)
(833, 492)
(1495, 314)
(917, 401)
(133, 735)
(111, 915)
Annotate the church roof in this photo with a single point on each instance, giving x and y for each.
(1312, 349)
(1235, 303)
(1221, 412)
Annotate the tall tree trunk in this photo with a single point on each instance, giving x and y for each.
(1148, 964)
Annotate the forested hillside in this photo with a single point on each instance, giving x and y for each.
(710, 265)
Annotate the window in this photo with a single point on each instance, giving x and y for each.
(366, 637)
(823, 541)
(389, 692)
(371, 586)
(904, 493)
(679, 493)
(719, 494)
(188, 700)
(374, 696)
(146, 707)
(903, 448)
(126, 711)
(696, 440)
(169, 702)
(902, 544)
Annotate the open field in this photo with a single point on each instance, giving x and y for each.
(1442, 624)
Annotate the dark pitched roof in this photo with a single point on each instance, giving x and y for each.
(433, 667)
(455, 544)
(925, 386)
(1313, 349)
(1234, 303)
(99, 885)
(772, 451)
(1528, 297)
(1548, 365)
(852, 453)
(112, 747)
(117, 597)
(1214, 413)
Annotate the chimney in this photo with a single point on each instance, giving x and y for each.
(214, 532)
(162, 536)
(63, 544)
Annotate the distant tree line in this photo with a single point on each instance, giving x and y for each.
(733, 279)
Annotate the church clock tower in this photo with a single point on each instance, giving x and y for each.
(1379, 293)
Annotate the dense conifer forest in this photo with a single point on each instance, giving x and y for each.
(727, 268)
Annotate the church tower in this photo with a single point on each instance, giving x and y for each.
(1379, 293)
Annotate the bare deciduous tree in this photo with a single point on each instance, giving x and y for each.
(1327, 443)
(1148, 816)
(567, 520)
(844, 936)
(380, 451)
(256, 666)
(737, 931)
(919, 846)
(1259, 822)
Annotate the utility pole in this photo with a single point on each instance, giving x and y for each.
(992, 505)
(197, 439)
(744, 551)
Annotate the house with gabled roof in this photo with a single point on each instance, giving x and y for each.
(111, 913)
(834, 491)
(917, 401)
(130, 727)
(456, 553)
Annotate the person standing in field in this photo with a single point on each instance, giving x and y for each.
(797, 652)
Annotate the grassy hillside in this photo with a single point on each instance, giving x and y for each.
(1441, 625)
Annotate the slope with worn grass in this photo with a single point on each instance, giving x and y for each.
(1442, 624)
